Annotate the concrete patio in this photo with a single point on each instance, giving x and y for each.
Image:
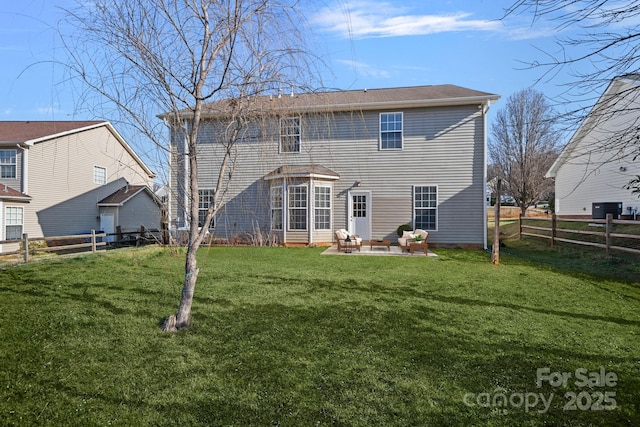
(376, 251)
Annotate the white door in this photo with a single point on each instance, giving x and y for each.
(360, 214)
(107, 224)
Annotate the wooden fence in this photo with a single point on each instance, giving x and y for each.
(607, 235)
(77, 242)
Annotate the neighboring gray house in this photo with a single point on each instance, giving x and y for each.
(592, 168)
(54, 175)
(367, 161)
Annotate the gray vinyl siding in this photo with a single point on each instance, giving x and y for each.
(64, 196)
(140, 210)
(442, 146)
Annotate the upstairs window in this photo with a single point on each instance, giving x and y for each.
(390, 131)
(425, 207)
(8, 164)
(290, 135)
(99, 175)
(205, 200)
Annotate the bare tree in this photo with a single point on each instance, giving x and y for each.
(172, 57)
(523, 145)
(605, 45)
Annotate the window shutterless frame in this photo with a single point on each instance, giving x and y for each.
(290, 134)
(14, 222)
(298, 207)
(425, 207)
(205, 199)
(391, 131)
(99, 175)
(8, 163)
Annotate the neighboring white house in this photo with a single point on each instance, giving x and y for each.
(67, 177)
(367, 161)
(593, 168)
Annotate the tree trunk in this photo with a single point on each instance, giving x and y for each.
(182, 318)
(523, 209)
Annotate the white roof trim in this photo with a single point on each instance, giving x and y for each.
(587, 124)
(302, 175)
(145, 188)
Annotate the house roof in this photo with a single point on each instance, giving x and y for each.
(27, 133)
(357, 100)
(126, 193)
(8, 193)
(302, 171)
(618, 89)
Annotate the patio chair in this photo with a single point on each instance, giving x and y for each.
(409, 242)
(341, 237)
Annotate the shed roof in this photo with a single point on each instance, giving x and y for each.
(126, 193)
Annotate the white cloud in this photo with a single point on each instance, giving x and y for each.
(365, 70)
(369, 19)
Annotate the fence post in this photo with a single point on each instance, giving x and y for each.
(554, 225)
(608, 230)
(520, 226)
(495, 252)
(25, 243)
(93, 241)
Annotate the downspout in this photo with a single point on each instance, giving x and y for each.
(25, 170)
(285, 209)
(485, 108)
(169, 200)
(311, 210)
(185, 178)
(1, 225)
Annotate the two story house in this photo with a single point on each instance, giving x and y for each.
(365, 160)
(596, 165)
(67, 177)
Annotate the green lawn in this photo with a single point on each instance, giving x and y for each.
(285, 336)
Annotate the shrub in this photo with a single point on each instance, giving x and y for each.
(404, 227)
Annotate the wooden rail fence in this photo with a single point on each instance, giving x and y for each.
(608, 234)
(94, 240)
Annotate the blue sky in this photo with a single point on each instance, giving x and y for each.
(368, 44)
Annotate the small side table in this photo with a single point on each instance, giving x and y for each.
(419, 245)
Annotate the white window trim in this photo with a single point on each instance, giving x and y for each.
(7, 224)
(315, 207)
(281, 208)
(14, 164)
(381, 132)
(299, 134)
(413, 205)
(96, 167)
(212, 224)
(290, 208)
